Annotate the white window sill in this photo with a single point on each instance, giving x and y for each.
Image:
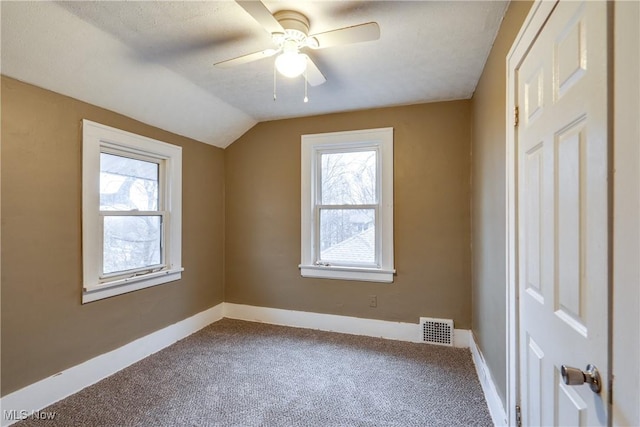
(347, 273)
(130, 284)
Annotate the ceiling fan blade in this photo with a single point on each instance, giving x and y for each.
(314, 75)
(246, 58)
(348, 35)
(260, 13)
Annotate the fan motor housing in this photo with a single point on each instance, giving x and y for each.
(292, 20)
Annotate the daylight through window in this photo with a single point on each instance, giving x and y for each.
(131, 214)
(347, 208)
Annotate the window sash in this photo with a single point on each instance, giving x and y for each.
(352, 148)
(317, 252)
(118, 275)
(129, 153)
(318, 206)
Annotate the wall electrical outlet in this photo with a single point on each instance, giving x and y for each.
(373, 300)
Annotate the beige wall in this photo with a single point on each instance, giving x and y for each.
(488, 199)
(45, 328)
(432, 217)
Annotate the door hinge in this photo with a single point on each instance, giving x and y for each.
(518, 414)
(516, 116)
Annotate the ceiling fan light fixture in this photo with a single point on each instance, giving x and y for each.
(291, 64)
(278, 38)
(312, 42)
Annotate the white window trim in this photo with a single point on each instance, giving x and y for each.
(382, 140)
(96, 137)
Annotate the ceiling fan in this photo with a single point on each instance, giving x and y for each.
(290, 33)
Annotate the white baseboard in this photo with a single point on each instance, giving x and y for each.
(43, 393)
(335, 323)
(496, 407)
(461, 338)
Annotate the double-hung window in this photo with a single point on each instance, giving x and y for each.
(131, 212)
(347, 205)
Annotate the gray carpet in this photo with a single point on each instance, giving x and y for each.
(236, 373)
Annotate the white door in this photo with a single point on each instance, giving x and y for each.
(562, 149)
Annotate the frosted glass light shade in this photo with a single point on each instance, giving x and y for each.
(291, 64)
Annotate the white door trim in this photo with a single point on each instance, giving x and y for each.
(626, 298)
(532, 25)
(626, 217)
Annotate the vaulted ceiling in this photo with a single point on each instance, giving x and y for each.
(153, 61)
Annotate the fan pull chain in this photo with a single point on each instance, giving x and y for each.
(274, 81)
(306, 83)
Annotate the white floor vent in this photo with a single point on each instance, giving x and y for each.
(436, 331)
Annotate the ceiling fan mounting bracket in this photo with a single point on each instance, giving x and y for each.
(296, 30)
(292, 20)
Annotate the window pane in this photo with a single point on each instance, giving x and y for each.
(131, 242)
(347, 235)
(348, 178)
(127, 184)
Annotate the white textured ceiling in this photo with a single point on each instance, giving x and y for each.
(153, 61)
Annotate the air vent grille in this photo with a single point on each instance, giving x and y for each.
(436, 331)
